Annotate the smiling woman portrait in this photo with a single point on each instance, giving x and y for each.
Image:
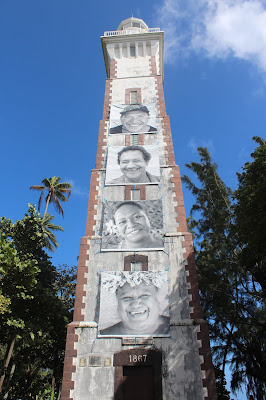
(130, 226)
(140, 300)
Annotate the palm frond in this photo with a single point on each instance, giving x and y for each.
(48, 224)
(58, 206)
(47, 182)
(37, 187)
(61, 196)
(63, 190)
(57, 192)
(40, 200)
(50, 239)
(64, 185)
(50, 242)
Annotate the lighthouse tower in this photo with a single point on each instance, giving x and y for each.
(137, 331)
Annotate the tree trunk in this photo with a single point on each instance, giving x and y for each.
(12, 370)
(55, 375)
(224, 360)
(59, 394)
(6, 360)
(46, 206)
(52, 388)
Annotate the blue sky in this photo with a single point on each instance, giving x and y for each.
(52, 87)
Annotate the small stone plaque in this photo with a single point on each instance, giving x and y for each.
(137, 341)
(95, 361)
(82, 362)
(107, 362)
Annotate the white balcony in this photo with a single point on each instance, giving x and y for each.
(130, 31)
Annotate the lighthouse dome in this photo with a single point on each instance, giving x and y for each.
(133, 25)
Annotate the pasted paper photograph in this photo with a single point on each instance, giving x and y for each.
(134, 303)
(132, 225)
(133, 118)
(127, 165)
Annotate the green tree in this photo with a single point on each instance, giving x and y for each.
(228, 294)
(37, 312)
(38, 357)
(47, 226)
(57, 192)
(65, 285)
(222, 392)
(18, 275)
(250, 214)
(250, 222)
(214, 250)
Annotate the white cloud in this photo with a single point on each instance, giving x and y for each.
(257, 93)
(194, 143)
(219, 28)
(76, 189)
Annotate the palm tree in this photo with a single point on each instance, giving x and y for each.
(47, 226)
(57, 192)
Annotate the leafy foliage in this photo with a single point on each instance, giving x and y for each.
(222, 392)
(231, 295)
(49, 237)
(250, 214)
(56, 192)
(34, 314)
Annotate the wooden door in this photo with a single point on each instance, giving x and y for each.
(138, 383)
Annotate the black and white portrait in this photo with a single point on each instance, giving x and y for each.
(133, 165)
(133, 118)
(132, 225)
(134, 303)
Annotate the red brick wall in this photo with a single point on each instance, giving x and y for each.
(202, 335)
(127, 95)
(70, 352)
(69, 368)
(193, 291)
(142, 189)
(138, 258)
(113, 69)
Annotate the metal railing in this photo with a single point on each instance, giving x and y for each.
(129, 31)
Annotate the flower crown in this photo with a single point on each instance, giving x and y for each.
(112, 280)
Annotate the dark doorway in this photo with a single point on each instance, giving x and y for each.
(138, 383)
(138, 374)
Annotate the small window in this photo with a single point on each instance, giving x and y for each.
(136, 266)
(135, 194)
(136, 24)
(134, 139)
(132, 50)
(133, 97)
(136, 262)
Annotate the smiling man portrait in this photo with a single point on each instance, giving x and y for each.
(133, 162)
(134, 118)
